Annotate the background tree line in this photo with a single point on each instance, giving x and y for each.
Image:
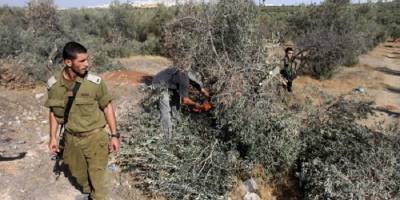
(339, 30)
(29, 35)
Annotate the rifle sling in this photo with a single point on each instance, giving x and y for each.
(69, 103)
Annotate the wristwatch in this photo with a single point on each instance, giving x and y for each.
(116, 135)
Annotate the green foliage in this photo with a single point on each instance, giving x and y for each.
(372, 32)
(193, 165)
(152, 45)
(343, 160)
(338, 31)
(123, 30)
(41, 15)
(11, 38)
(32, 33)
(273, 22)
(248, 126)
(264, 133)
(388, 15)
(330, 30)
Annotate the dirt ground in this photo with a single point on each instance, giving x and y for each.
(377, 76)
(26, 166)
(24, 130)
(145, 64)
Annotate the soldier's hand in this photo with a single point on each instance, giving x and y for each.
(53, 146)
(205, 92)
(196, 106)
(115, 145)
(284, 82)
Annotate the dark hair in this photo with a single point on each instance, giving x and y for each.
(71, 50)
(288, 49)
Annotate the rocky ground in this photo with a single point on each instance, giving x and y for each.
(26, 167)
(24, 130)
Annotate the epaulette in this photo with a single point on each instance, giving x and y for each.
(52, 80)
(93, 78)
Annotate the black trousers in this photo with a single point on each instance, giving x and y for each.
(289, 79)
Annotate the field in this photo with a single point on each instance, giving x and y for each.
(336, 136)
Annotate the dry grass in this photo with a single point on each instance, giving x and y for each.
(367, 74)
(145, 63)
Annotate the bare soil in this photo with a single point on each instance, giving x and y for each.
(26, 168)
(377, 73)
(145, 64)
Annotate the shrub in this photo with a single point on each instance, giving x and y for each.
(389, 17)
(11, 38)
(337, 32)
(344, 160)
(330, 31)
(264, 133)
(248, 126)
(32, 33)
(151, 46)
(41, 15)
(194, 165)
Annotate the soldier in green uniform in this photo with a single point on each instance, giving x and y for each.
(86, 142)
(290, 68)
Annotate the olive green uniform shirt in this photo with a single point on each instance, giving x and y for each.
(86, 112)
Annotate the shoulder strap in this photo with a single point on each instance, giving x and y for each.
(70, 101)
(52, 80)
(93, 78)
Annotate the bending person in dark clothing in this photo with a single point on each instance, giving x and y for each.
(174, 86)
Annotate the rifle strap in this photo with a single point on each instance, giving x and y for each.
(71, 99)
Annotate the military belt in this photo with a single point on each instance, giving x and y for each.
(84, 134)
